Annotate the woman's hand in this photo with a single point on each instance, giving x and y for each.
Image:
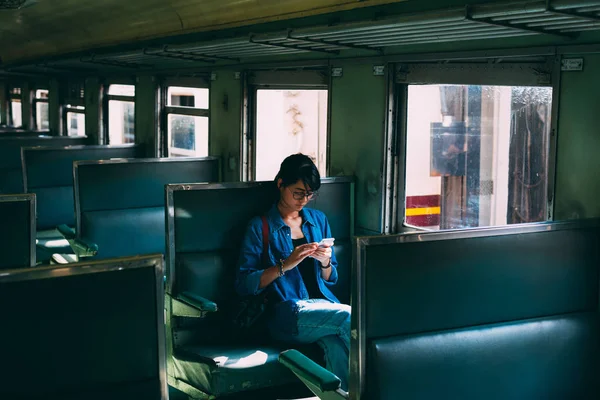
(323, 254)
(298, 255)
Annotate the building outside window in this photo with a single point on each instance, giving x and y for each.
(40, 108)
(120, 100)
(73, 109)
(16, 111)
(288, 122)
(187, 118)
(476, 155)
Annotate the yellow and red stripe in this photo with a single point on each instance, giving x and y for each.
(423, 210)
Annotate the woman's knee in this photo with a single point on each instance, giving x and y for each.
(345, 311)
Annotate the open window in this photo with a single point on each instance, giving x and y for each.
(40, 109)
(119, 101)
(186, 118)
(73, 109)
(477, 144)
(16, 110)
(289, 115)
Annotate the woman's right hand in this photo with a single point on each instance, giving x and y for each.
(298, 255)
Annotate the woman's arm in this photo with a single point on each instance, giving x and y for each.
(297, 256)
(252, 278)
(250, 271)
(326, 257)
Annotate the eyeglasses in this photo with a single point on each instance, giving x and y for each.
(301, 194)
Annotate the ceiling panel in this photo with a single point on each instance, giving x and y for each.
(60, 26)
(558, 18)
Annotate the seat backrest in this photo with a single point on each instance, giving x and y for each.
(508, 312)
(17, 233)
(90, 330)
(119, 204)
(48, 172)
(11, 172)
(206, 224)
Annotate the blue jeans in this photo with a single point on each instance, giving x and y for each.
(327, 324)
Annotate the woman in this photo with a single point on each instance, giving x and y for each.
(299, 274)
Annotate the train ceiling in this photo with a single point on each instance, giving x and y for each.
(563, 19)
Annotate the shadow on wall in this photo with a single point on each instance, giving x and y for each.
(573, 210)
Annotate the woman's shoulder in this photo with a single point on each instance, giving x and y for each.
(255, 221)
(318, 216)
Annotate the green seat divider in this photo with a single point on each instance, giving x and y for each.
(81, 247)
(307, 369)
(198, 301)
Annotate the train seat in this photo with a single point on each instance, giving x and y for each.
(120, 203)
(48, 172)
(49, 242)
(17, 236)
(11, 171)
(206, 356)
(504, 312)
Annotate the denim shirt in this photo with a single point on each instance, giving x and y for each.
(289, 288)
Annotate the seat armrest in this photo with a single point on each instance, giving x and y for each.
(198, 301)
(81, 247)
(191, 305)
(309, 371)
(66, 231)
(58, 258)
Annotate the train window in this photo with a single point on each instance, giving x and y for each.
(287, 122)
(187, 114)
(120, 102)
(16, 116)
(75, 120)
(40, 108)
(73, 108)
(287, 112)
(476, 155)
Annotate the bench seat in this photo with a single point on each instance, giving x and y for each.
(48, 242)
(222, 369)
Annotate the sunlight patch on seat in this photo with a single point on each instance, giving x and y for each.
(182, 213)
(56, 243)
(253, 360)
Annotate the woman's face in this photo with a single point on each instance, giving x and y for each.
(294, 197)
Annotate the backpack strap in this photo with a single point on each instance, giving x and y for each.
(265, 238)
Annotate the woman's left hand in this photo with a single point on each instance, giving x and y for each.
(323, 254)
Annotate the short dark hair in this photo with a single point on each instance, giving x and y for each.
(299, 167)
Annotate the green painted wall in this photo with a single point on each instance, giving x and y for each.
(54, 114)
(357, 135)
(225, 123)
(93, 110)
(578, 160)
(3, 104)
(146, 118)
(26, 98)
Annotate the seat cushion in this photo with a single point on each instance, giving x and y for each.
(126, 232)
(49, 242)
(548, 358)
(225, 369)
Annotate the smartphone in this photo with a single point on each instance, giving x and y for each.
(326, 242)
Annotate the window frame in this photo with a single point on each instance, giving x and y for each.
(478, 71)
(294, 79)
(200, 82)
(73, 96)
(14, 96)
(106, 98)
(66, 109)
(34, 102)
